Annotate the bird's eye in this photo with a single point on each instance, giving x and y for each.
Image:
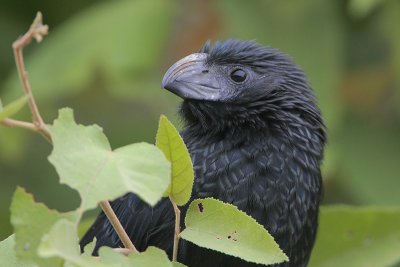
(238, 75)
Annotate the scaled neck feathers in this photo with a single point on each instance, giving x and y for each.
(273, 116)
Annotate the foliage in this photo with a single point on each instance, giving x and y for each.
(31, 222)
(368, 236)
(8, 255)
(182, 175)
(219, 226)
(350, 60)
(349, 49)
(84, 160)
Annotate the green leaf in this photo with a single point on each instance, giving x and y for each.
(7, 254)
(177, 264)
(109, 256)
(175, 150)
(88, 249)
(213, 224)
(31, 221)
(84, 226)
(120, 40)
(62, 241)
(353, 236)
(151, 257)
(12, 108)
(85, 161)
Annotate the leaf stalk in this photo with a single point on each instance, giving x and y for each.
(177, 229)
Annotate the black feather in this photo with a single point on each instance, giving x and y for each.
(259, 149)
(145, 225)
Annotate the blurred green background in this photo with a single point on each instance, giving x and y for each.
(106, 59)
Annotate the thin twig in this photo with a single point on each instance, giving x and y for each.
(19, 124)
(26, 125)
(37, 31)
(177, 229)
(106, 207)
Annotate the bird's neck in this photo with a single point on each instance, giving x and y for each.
(215, 120)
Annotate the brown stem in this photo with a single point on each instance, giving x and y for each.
(19, 124)
(26, 125)
(106, 207)
(38, 31)
(177, 229)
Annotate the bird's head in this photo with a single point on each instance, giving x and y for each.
(242, 84)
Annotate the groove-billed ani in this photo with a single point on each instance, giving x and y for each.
(256, 139)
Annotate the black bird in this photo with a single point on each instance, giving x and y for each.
(256, 138)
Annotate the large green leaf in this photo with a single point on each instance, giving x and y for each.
(61, 241)
(31, 221)
(122, 40)
(12, 108)
(7, 254)
(177, 264)
(220, 226)
(85, 161)
(357, 237)
(182, 175)
(55, 239)
(151, 257)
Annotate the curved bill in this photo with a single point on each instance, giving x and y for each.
(190, 78)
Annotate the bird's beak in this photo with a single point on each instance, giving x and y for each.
(189, 78)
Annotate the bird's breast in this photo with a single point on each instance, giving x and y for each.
(259, 175)
(241, 174)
